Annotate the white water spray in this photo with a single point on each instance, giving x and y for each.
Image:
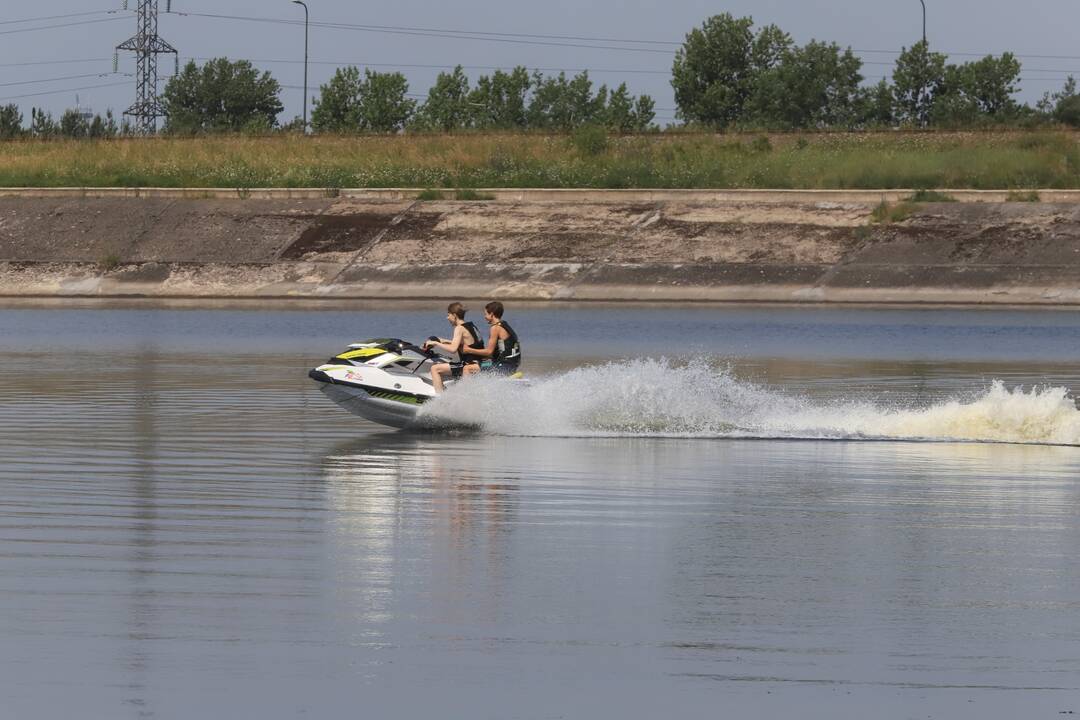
(658, 398)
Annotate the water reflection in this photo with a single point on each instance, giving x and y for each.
(468, 499)
(853, 564)
(143, 616)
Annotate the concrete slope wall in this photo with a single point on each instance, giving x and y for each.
(676, 248)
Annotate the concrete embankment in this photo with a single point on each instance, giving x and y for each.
(565, 245)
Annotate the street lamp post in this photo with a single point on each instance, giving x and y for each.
(923, 21)
(301, 2)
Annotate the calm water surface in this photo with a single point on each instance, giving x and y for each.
(188, 528)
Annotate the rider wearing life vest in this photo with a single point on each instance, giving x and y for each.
(503, 349)
(465, 343)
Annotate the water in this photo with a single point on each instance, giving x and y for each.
(189, 529)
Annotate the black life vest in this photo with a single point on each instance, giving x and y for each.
(507, 352)
(476, 344)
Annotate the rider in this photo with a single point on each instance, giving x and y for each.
(503, 347)
(464, 343)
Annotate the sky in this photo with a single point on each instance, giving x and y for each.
(80, 56)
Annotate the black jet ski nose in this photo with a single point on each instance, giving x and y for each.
(319, 376)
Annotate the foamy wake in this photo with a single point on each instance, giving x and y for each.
(658, 398)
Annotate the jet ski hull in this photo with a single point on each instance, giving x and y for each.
(358, 401)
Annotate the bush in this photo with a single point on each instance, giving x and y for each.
(109, 262)
(885, 213)
(590, 140)
(1068, 111)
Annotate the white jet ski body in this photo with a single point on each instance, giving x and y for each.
(386, 381)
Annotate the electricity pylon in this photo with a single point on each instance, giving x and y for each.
(147, 46)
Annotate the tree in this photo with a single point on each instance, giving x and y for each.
(1050, 101)
(42, 125)
(377, 102)
(978, 91)
(619, 114)
(877, 105)
(103, 127)
(812, 86)
(918, 79)
(384, 102)
(644, 112)
(1062, 106)
(10, 122)
(337, 109)
(221, 96)
(447, 106)
(715, 70)
(559, 103)
(625, 113)
(499, 101)
(1068, 111)
(771, 45)
(74, 124)
(991, 82)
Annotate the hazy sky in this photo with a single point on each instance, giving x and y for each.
(1029, 29)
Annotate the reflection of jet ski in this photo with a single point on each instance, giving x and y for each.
(385, 380)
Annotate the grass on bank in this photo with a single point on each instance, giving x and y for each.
(924, 196)
(991, 160)
(1023, 196)
(886, 212)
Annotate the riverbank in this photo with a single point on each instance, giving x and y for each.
(581, 246)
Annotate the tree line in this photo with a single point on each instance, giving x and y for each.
(72, 124)
(727, 75)
(231, 96)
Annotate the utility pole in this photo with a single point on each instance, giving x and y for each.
(301, 2)
(146, 45)
(923, 21)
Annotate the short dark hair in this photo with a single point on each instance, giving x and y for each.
(495, 308)
(457, 310)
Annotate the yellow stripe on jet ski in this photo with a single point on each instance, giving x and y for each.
(363, 352)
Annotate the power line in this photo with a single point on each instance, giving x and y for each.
(58, 79)
(65, 90)
(449, 66)
(55, 62)
(521, 35)
(57, 17)
(518, 37)
(423, 33)
(357, 63)
(60, 25)
(405, 28)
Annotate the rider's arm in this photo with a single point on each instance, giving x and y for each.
(432, 340)
(454, 343)
(489, 349)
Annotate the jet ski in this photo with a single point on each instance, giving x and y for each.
(384, 380)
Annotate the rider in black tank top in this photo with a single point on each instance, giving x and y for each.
(506, 355)
(464, 344)
(503, 348)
